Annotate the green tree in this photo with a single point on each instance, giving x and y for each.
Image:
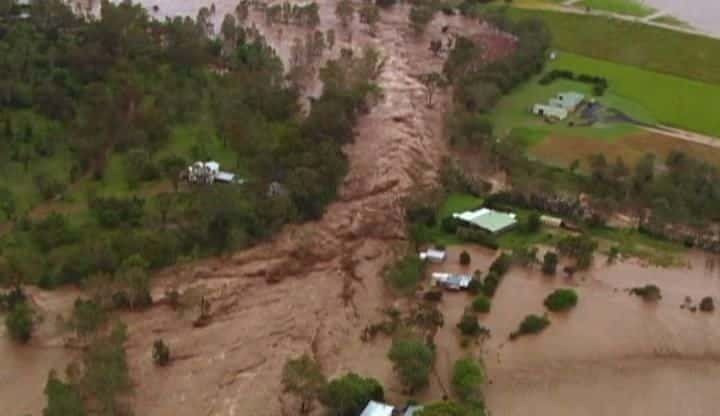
(561, 300)
(467, 380)
(532, 324)
(413, 361)
(405, 275)
(133, 275)
(304, 378)
(63, 399)
(19, 323)
(465, 258)
(481, 304)
(87, 317)
(470, 326)
(452, 408)
(349, 394)
(432, 81)
(173, 166)
(7, 203)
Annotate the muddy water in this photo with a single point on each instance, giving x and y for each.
(613, 354)
(703, 14)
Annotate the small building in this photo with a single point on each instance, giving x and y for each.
(570, 101)
(550, 111)
(209, 172)
(433, 255)
(489, 220)
(551, 221)
(451, 281)
(374, 408)
(413, 410)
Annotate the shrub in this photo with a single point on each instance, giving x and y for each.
(19, 323)
(450, 224)
(433, 296)
(467, 379)
(550, 262)
(533, 223)
(532, 324)
(465, 258)
(349, 394)
(469, 325)
(406, 273)
(478, 237)
(475, 286)
(161, 353)
(707, 304)
(649, 293)
(561, 300)
(491, 283)
(501, 265)
(413, 361)
(481, 304)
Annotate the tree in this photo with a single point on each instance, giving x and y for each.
(533, 223)
(550, 262)
(467, 380)
(561, 300)
(7, 203)
(229, 31)
(405, 275)
(63, 399)
(242, 10)
(349, 394)
(370, 15)
(465, 258)
(481, 304)
(19, 323)
(173, 166)
(435, 46)
(344, 11)
(304, 378)
(452, 408)
(469, 326)
(420, 16)
(649, 293)
(532, 324)
(135, 278)
(161, 353)
(413, 361)
(432, 81)
(87, 317)
(707, 304)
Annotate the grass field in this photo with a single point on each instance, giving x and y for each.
(628, 7)
(656, 49)
(672, 21)
(670, 100)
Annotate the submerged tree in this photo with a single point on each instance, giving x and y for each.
(303, 377)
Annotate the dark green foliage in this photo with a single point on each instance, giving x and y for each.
(475, 285)
(470, 130)
(87, 317)
(465, 258)
(161, 353)
(470, 326)
(405, 275)
(63, 399)
(533, 223)
(452, 408)
(532, 324)
(19, 323)
(501, 265)
(423, 215)
(413, 361)
(481, 304)
(10, 299)
(561, 300)
(707, 304)
(477, 236)
(52, 232)
(467, 380)
(113, 212)
(491, 284)
(348, 395)
(649, 293)
(599, 84)
(580, 247)
(550, 262)
(304, 378)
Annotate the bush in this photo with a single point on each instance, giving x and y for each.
(491, 283)
(467, 380)
(465, 258)
(649, 293)
(533, 223)
(471, 235)
(550, 262)
(450, 224)
(406, 273)
(349, 394)
(481, 304)
(469, 325)
(532, 324)
(161, 353)
(501, 265)
(707, 304)
(561, 300)
(475, 286)
(19, 323)
(413, 361)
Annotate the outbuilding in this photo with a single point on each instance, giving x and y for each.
(433, 255)
(487, 219)
(550, 111)
(551, 221)
(570, 101)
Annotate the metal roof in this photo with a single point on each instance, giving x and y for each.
(487, 219)
(374, 408)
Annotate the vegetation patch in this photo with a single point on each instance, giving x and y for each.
(405, 275)
(649, 293)
(481, 304)
(532, 324)
(561, 300)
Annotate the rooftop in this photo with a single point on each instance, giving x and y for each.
(374, 408)
(487, 219)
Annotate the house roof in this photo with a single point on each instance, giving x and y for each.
(487, 219)
(570, 99)
(374, 408)
(413, 410)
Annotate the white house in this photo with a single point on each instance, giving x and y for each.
(550, 111)
(374, 408)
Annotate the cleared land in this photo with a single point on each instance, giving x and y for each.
(670, 100)
(681, 54)
(628, 7)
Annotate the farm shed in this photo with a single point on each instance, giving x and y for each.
(550, 111)
(433, 255)
(551, 221)
(487, 219)
(451, 281)
(374, 408)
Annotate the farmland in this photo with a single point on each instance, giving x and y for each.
(646, 47)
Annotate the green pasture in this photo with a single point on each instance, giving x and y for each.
(627, 7)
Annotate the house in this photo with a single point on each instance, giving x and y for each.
(433, 255)
(209, 172)
(550, 111)
(374, 408)
(413, 410)
(489, 220)
(451, 281)
(551, 221)
(570, 101)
